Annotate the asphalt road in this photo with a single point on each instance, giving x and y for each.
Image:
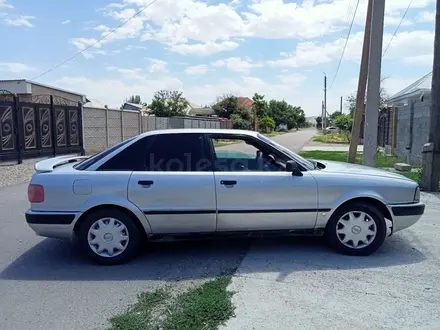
(47, 284)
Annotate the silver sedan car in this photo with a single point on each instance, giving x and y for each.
(192, 182)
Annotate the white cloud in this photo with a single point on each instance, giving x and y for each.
(425, 60)
(425, 16)
(201, 49)
(237, 64)
(67, 21)
(404, 45)
(130, 74)
(196, 69)
(21, 20)
(15, 67)
(157, 65)
(293, 80)
(3, 4)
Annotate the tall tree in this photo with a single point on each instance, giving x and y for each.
(225, 105)
(260, 105)
(351, 100)
(134, 99)
(168, 104)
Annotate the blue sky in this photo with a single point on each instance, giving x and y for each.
(207, 48)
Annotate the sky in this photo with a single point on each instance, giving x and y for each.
(207, 48)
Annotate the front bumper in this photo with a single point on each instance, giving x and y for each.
(406, 215)
(52, 224)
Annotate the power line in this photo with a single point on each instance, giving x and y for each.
(346, 41)
(96, 42)
(397, 28)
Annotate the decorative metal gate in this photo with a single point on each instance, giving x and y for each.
(39, 125)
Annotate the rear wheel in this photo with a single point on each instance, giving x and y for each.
(356, 229)
(109, 237)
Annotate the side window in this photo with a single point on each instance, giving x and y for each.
(178, 152)
(131, 158)
(233, 154)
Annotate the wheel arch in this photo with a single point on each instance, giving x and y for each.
(138, 222)
(369, 200)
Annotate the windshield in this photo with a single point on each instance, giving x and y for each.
(304, 162)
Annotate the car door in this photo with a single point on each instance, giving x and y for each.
(254, 197)
(176, 190)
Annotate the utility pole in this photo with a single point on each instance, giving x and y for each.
(362, 85)
(340, 106)
(324, 119)
(322, 116)
(431, 150)
(373, 84)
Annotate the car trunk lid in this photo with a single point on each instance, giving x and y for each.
(48, 165)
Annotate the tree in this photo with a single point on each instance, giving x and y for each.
(266, 124)
(318, 121)
(344, 123)
(168, 104)
(134, 99)
(284, 113)
(239, 123)
(225, 105)
(351, 100)
(259, 105)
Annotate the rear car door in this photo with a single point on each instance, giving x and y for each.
(176, 189)
(253, 194)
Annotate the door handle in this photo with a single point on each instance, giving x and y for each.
(228, 182)
(145, 183)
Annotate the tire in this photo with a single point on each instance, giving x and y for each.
(357, 229)
(121, 229)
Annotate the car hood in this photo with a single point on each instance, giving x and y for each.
(347, 168)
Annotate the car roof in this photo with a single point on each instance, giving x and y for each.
(200, 130)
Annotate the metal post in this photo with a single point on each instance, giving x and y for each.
(362, 85)
(107, 137)
(18, 128)
(431, 150)
(373, 84)
(54, 127)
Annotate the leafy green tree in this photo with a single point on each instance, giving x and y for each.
(266, 124)
(225, 106)
(344, 123)
(168, 104)
(260, 105)
(351, 100)
(318, 121)
(284, 113)
(239, 123)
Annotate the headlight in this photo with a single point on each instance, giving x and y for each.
(417, 195)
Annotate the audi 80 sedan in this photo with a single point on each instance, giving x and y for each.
(195, 182)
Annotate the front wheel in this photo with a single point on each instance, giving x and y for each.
(356, 229)
(109, 237)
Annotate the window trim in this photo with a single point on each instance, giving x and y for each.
(210, 136)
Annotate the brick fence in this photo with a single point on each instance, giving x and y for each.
(106, 127)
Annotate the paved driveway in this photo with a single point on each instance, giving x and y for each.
(46, 284)
(298, 284)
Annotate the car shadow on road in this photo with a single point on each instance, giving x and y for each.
(56, 260)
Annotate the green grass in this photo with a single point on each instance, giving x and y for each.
(204, 307)
(382, 161)
(337, 138)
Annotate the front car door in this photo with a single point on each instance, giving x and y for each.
(255, 193)
(176, 189)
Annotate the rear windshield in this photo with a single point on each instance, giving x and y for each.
(97, 157)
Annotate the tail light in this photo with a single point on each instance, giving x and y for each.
(36, 193)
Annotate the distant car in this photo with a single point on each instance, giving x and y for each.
(332, 129)
(184, 184)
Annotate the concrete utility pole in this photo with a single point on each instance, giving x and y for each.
(362, 85)
(324, 119)
(322, 116)
(340, 106)
(373, 84)
(431, 150)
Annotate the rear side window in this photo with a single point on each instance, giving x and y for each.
(131, 158)
(178, 152)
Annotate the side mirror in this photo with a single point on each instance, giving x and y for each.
(292, 167)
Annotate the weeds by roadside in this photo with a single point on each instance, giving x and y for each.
(337, 138)
(204, 307)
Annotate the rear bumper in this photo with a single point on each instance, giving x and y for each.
(406, 215)
(52, 224)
